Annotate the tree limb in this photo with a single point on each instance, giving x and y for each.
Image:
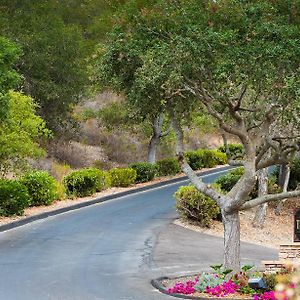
(268, 198)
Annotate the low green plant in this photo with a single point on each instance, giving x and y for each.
(86, 182)
(194, 205)
(14, 197)
(122, 177)
(236, 150)
(41, 186)
(168, 166)
(144, 171)
(222, 273)
(220, 158)
(271, 280)
(228, 181)
(205, 158)
(208, 280)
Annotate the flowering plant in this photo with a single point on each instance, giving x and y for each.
(224, 289)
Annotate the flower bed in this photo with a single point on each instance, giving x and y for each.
(224, 284)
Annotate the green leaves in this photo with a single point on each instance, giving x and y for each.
(20, 131)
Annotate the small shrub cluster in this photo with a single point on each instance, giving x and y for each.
(85, 182)
(236, 150)
(42, 187)
(194, 205)
(168, 166)
(39, 188)
(228, 181)
(14, 197)
(144, 171)
(122, 177)
(204, 158)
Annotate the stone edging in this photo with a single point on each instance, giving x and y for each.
(156, 283)
(101, 199)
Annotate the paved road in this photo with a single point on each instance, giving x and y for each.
(108, 251)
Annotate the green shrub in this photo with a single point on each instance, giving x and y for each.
(220, 158)
(168, 166)
(228, 181)
(194, 205)
(144, 171)
(122, 177)
(205, 158)
(236, 150)
(14, 197)
(86, 182)
(41, 186)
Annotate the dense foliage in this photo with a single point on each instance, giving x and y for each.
(228, 181)
(42, 187)
(168, 166)
(122, 177)
(194, 205)
(144, 171)
(235, 150)
(85, 182)
(204, 158)
(14, 198)
(20, 132)
(9, 78)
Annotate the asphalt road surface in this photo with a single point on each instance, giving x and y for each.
(108, 251)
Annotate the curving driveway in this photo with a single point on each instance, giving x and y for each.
(107, 251)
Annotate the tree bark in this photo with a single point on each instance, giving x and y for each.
(283, 181)
(157, 127)
(261, 211)
(152, 148)
(231, 223)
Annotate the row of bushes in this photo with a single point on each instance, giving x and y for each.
(39, 188)
(32, 189)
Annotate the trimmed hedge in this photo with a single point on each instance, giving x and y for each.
(144, 171)
(194, 205)
(86, 182)
(122, 177)
(168, 166)
(14, 197)
(228, 181)
(41, 186)
(204, 158)
(236, 150)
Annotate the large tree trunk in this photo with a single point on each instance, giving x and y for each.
(231, 223)
(261, 211)
(157, 127)
(152, 148)
(283, 181)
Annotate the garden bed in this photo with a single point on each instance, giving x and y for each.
(220, 283)
(163, 284)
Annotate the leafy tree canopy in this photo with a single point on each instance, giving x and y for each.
(9, 53)
(170, 52)
(20, 132)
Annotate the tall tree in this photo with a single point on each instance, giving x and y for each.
(20, 127)
(238, 61)
(9, 77)
(53, 63)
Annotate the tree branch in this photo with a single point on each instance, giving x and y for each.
(195, 180)
(268, 198)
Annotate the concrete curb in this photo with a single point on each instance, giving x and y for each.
(55, 212)
(156, 283)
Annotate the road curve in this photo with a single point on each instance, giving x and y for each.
(108, 251)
